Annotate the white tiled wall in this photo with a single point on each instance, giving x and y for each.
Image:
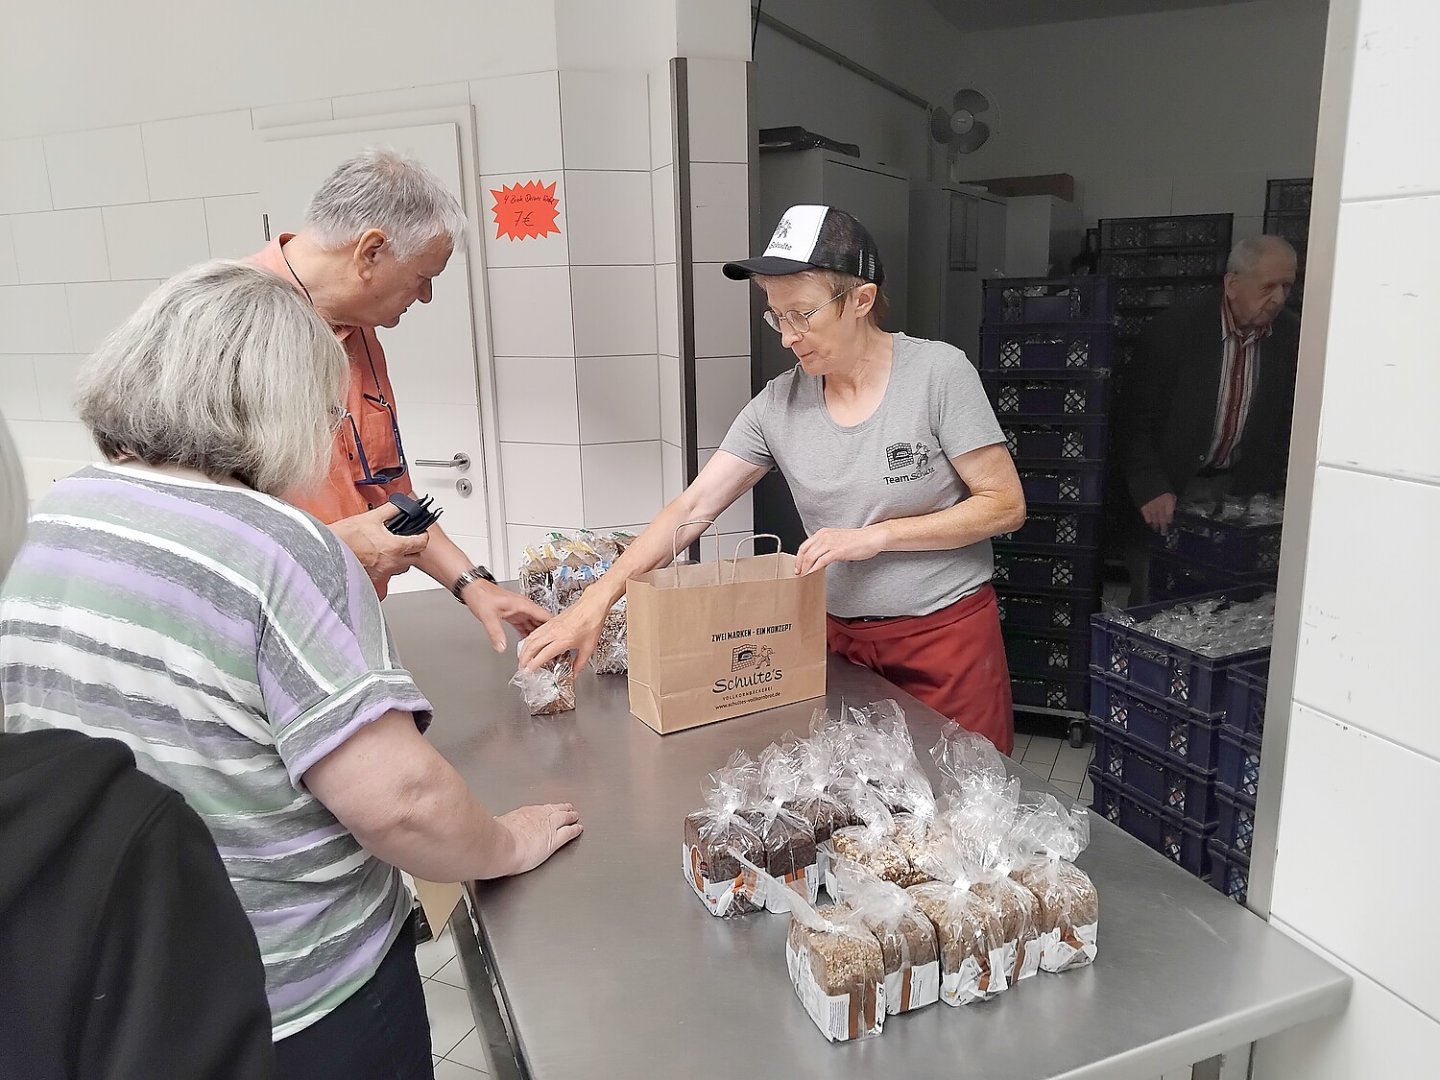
(1362, 754)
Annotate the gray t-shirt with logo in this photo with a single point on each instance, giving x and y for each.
(895, 464)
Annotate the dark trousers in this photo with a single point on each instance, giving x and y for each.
(380, 1033)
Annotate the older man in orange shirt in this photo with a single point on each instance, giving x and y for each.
(378, 231)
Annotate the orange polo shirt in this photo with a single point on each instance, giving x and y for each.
(338, 496)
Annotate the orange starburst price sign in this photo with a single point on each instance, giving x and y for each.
(523, 211)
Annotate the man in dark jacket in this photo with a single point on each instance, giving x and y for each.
(1207, 408)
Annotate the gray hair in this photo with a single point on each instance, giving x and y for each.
(1245, 256)
(385, 190)
(224, 369)
(13, 502)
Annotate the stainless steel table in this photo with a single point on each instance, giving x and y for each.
(608, 966)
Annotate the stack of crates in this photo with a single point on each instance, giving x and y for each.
(1204, 555)
(1287, 214)
(1237, 780)
(1045, 361)
(1164, 758)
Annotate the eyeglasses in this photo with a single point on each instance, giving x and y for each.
(798, 321)
(390, 472)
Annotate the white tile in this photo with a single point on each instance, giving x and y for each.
(672, 471)
(667, 307)
(22, 395)
(610, 218)
(300, 112)
(434, 954)
(524, 139)
(60, 245)
(1330, 866)
(235, 226)
(614, 310)
(155, 240)
(62, 440)
(672, 418)
(739, 517)
(535, 398)
(470, 1053)
(452, 974)
(720, 211)
(1378, 1035)
(409, 99)
(1377, 353)
(662, 209)
(1071, 763)
(447, 1069)
(1069, 787)
(1041, 754)
(662, 150)
(97, 168)
(605, 118)
(199, 156)
(498, 195)
(719, 110)
(9, 272)
(541, 483)
(1359, 632)
(1238, 193)
(1127, 196)
(722, 313)
(530, 311)
(24, 179)
(99, 307)
(55, 381)
(1087, 791)
(622, 482)
(1394, 70)
(450, 1017)
(34, 319)
(619, 398)
(722, 388)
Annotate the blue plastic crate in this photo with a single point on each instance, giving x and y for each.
(1237, 821)
(1153, 722)
(1175, 578)
(1077, 528)
(1229, 871)
(1081, 483)
(1245, 698)
(1180, 841)
(1077, 300)
(1165, 781)
(1236, 549)
(1045, 348)
(1026, 396)
(1025, 568)
(1239, 767)
(1063, 691)
(1061, 651)
(1041, 611)
(1057, 439)
(1171, 671)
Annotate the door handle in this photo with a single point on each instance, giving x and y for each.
(459, 461)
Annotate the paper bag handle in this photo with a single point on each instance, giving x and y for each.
(779, 547)
(675, 536)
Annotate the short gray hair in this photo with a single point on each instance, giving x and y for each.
(1245, 256)
(14, 506)
(224, 369)
(385, 190)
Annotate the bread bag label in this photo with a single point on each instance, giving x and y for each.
(805, 882)
(912, 987)
(840, 1017)
(1072, 951)
(719, 896)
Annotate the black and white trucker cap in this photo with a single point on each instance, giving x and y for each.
(815, 238)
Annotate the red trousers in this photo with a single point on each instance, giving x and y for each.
(952, 659)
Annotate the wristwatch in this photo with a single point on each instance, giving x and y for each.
(475, 573)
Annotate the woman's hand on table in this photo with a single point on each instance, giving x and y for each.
(576, 629)
(838, 545)
(540, 831)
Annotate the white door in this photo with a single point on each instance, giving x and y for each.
(432, 353)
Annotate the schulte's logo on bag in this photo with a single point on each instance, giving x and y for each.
(912, 460)
(758, 657)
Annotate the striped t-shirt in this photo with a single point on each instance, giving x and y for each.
(231, 641)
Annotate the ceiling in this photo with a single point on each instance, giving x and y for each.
(974, 15)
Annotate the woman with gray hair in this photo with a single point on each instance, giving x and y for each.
(168, 599)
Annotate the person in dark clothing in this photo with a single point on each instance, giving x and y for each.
(1207, 407)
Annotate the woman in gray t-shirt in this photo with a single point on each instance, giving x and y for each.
(898, 469)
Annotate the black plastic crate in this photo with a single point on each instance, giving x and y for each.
(1283, 195)
(1048, 348)
(1168, 782)
(1238, 772)
(1237, 822)
(1058, 440)
(1058, 528)
(1155, 723)
(1224, 545)
(1044, 611)
(1180, 841)
(1229, 871)
(1171, 671)
(1130, 325)
(1173, 578)
(1049, 690)
(1163, 264)
(1079, 394)
(1245, 698)
(1293, 227)
(1061, 651)
(1025, 568)
(1013, 301)
(1184, 231)
(1081, 483)
(1157, 297)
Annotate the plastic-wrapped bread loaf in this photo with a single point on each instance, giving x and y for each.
(906, 935)
(717, 837)
(1068, 904)
(550, 688)
(787, 838)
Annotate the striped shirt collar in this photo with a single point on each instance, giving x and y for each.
(1228, 328)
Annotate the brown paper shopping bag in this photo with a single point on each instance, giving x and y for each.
(710, 641)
